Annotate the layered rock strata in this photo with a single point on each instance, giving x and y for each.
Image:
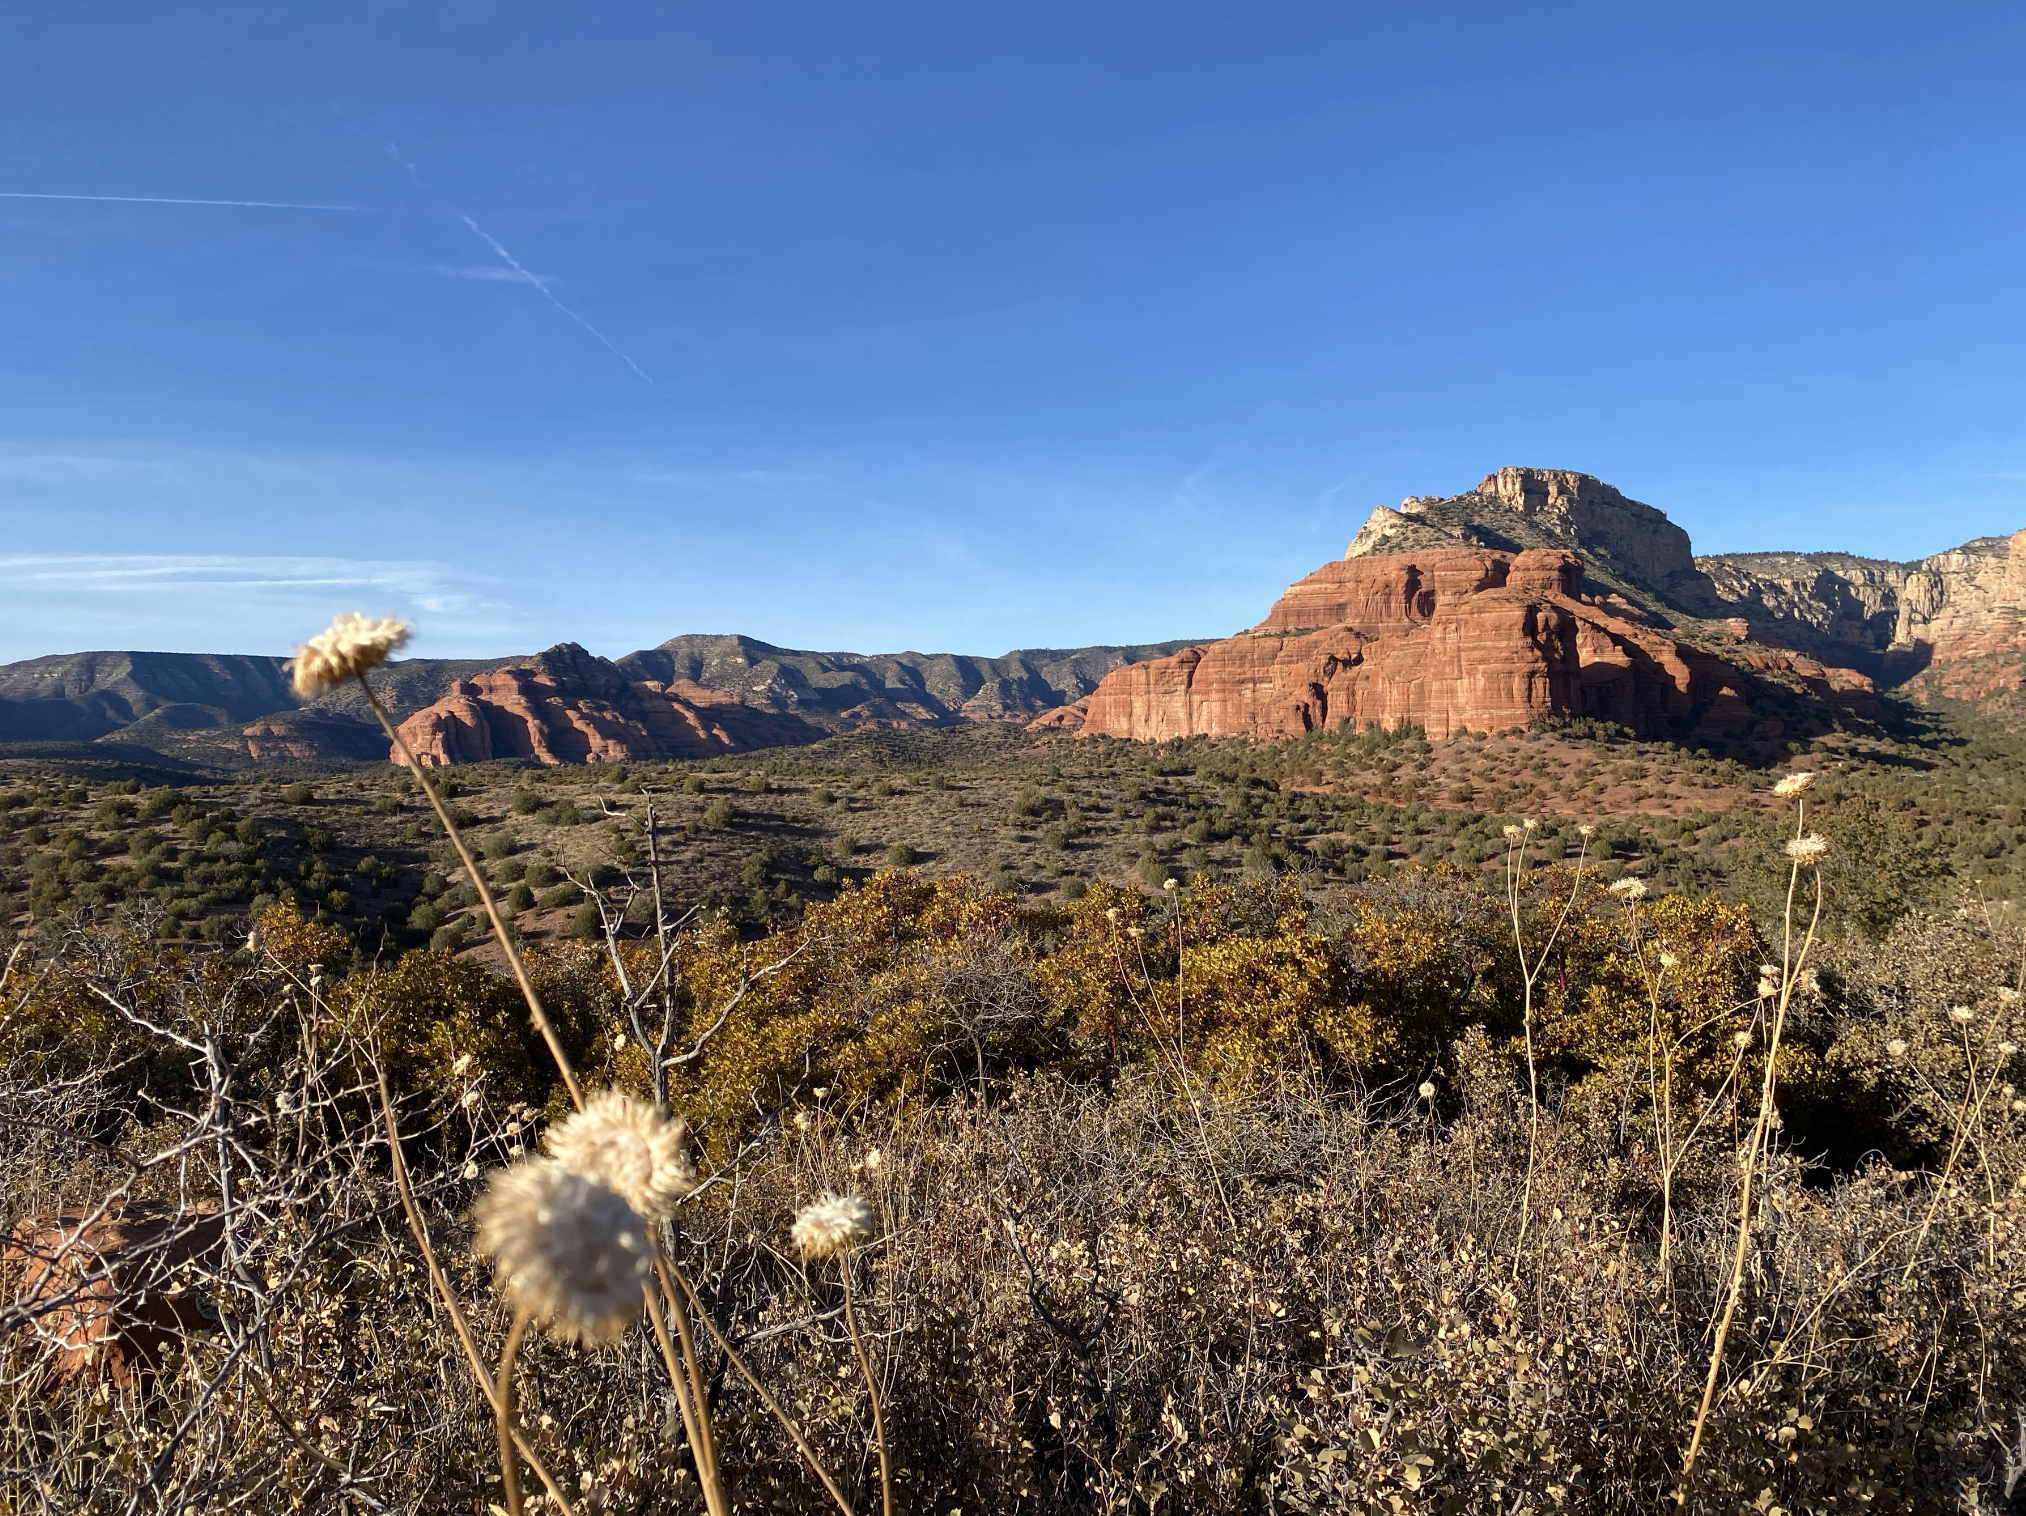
(1953, 623)
(1450, 639)
(567, 706)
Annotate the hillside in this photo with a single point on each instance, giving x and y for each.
(237, 709)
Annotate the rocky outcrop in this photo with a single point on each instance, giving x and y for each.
(1451, 639)
(1628, 548)
(568, 706)
(108, 1293)
(1952, 624)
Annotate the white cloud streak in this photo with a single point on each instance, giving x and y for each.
(550, 295)
(257, 205)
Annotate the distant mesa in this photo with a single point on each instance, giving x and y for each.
(1545, 593)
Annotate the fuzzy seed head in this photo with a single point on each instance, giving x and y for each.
(1586, 830)
(628, 1146)
(351, 645)
(1427, 1091)
(1809, 850)
(1897, 1047)
(1669, 962)
(566, 1249)
(1171, 885)
(2007, 1049)
(1512, 834)
(1628, 888)
(1529, 824)
(1793, 784)
(1963, 1014)
(832, 1225)
(1741, 1039)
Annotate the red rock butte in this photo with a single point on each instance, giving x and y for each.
(1448, 639)
(568, 707)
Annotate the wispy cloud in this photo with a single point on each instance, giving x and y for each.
(255, 205)
(66, 602)
(128, 573)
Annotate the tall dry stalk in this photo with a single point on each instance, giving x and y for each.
(871, 1389)
(1515, 867)
(1805, 852)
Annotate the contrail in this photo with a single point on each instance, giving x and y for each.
(515, 264)
(258, 205)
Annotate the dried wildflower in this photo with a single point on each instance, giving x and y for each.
(2007, 1049)
(352, 645)
(628, 1146)
(1529, 824)
(874, 1158)
(1809, 850)
(2006, 994)
(1628, 888)
(1962, 1013)
(1427, 1089)
(1111, 913)
(470, 1169)
(1793, 784)
(1586, 830)
(1897, 1047)
(1512, 834)
(470, 1099)
(565, 1249)
(1741, 1039)
(804, 1121)
(1136, 931)
(1669, 962)
(834, 1224)
(1171, 885)
(821, 1092)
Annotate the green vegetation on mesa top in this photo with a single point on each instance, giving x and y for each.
(1942, 805)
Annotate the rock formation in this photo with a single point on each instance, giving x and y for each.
(108, 1293)
(1451, 639)
(1952, 624)
(567, 706)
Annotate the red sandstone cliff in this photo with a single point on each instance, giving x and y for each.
(570, 707)
(1449, 639)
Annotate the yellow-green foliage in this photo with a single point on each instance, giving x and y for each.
(432, 1009)
(875, 1001)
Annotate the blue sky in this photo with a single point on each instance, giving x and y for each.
(885, 326)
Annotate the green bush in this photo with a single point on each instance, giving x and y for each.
(298, 794)
(541, 874)
(501, 845)
(759, 784)
(587, 924)
(720, 813)
(520, 898)
(901, 856)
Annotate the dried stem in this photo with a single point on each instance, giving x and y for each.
(871, 1390)
(509, 1466)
